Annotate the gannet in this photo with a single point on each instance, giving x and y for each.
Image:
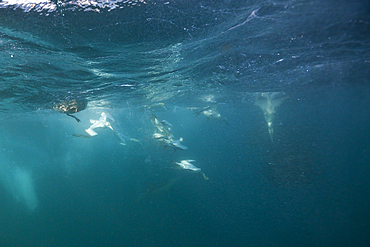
(176, 144)
(102, 122)
(186, 165)
(166, 123)
(210, 112)
(269, 102)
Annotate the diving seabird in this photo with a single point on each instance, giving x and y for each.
(102, 122)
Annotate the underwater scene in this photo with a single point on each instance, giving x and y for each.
(184, 123)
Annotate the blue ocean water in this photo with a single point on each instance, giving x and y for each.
(270, 99)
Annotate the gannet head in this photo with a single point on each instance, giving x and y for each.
(108, 125)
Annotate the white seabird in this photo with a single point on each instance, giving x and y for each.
(102, 122)
(269, 102)
(187, 165)
(176, 144)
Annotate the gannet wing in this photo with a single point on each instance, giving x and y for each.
(97, 124)
(91, 132)
(109, 116)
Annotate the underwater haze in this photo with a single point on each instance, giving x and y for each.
(184, 123)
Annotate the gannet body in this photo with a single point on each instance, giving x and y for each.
(185, 164)
(176, 144)
(269, 102)
(102, 122)
(166, 123)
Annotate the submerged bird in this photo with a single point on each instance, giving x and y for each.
(71, 106)
(166, 123)
(122, 138)
(210, 112)
(187, 165)
(165, 139)
(176, 144)
(160, 126)
(102, 122)
(268, 102)
(163, 134)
